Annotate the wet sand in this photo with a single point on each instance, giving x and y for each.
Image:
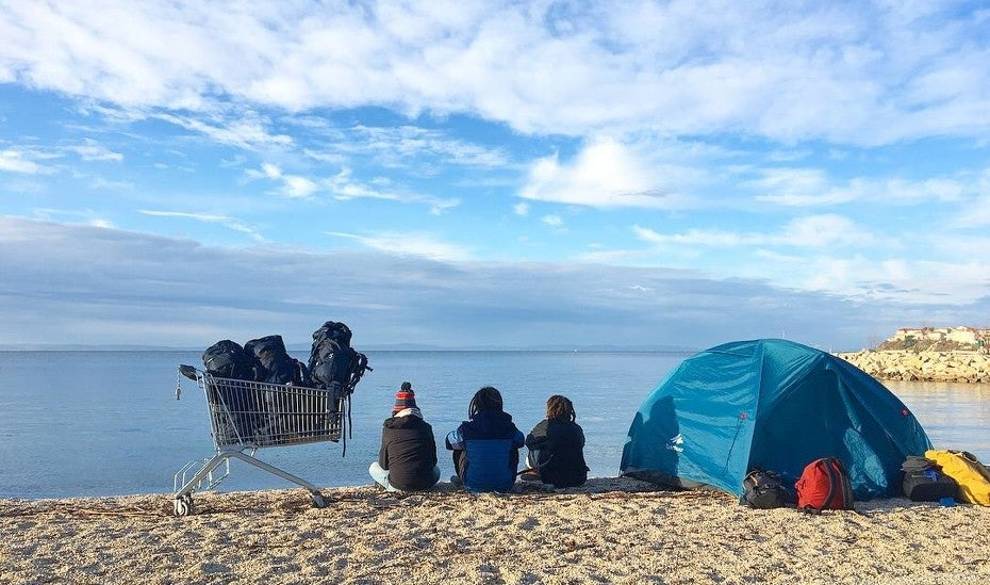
(611, 531)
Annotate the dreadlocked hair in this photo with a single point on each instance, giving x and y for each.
(560, 407)
(488, 398)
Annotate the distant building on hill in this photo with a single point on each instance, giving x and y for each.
(939, 339)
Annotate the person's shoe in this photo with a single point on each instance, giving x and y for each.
(456, 481)
(531, 475)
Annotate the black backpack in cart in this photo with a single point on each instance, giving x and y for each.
(227, 359)
(333, 363)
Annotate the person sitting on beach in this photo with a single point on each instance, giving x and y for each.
(556, 447)
(407, 460)
(486, 447)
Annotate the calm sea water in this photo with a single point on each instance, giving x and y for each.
(108, 423)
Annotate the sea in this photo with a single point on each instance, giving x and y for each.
(103, 423)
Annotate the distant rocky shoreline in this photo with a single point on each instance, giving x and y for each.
(924, 366)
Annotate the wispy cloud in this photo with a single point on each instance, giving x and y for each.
(245, 129)
(291, 186)
(344, 187)
(405, 145)
(809, 187)
(13, 161)
(41, 160)
(223, 220)
(976, 213)
(74, 216)
(410, 244)
(91, 150)
(813, 231)
(553, 220)
(104, 184)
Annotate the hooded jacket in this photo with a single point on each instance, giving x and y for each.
(486, 451)
(559, 445)
(408, 452)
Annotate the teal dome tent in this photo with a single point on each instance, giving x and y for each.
(775, 405)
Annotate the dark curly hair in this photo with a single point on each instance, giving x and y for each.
(560, 407)
(488, 398)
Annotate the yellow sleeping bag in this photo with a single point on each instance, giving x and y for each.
(972, 477)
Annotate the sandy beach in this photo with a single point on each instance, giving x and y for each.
(610, 531)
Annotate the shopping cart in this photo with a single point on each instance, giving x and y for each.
(246, 416)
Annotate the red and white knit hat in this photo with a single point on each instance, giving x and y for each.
(404, 398)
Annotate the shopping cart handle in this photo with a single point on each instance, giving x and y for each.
(188, 371)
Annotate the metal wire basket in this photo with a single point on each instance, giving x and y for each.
(247, 416)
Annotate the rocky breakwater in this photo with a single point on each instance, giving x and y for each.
(924, 366)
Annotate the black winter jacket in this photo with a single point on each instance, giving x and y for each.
(560, 448)
(408, 452)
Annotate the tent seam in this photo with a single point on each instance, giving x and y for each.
(756, 407)
(741, 422)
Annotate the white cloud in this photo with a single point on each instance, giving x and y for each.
(25, 159)
(298, 187)
(410, 244)
(403, 146)
(291, 186)
(605, 173)
(552, 220)
(521, 208)
(821, 231)
(345, 187)
(271, 171)
(219, 219)
(806, 187)
(976, 213)
(103, 184)
(90, 150)
(975, 216)
(17, 161)
(74, 216)
(868, 74)
(243, 129)
(813, 231)
(891, 279)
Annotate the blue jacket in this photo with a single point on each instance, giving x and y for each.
(486, 451)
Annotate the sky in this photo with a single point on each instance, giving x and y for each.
(484, 173)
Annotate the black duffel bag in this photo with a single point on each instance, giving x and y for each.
(764, 490)
(227, 359)
(275, 364)
(925, 482)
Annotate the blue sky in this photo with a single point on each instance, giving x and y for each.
(484, 173)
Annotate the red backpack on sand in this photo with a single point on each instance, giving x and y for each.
(824, 485)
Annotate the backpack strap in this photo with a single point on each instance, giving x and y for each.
(833, 479)
(847, 495)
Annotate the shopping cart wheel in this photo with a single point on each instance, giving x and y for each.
(183, 505)
(318, 500)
